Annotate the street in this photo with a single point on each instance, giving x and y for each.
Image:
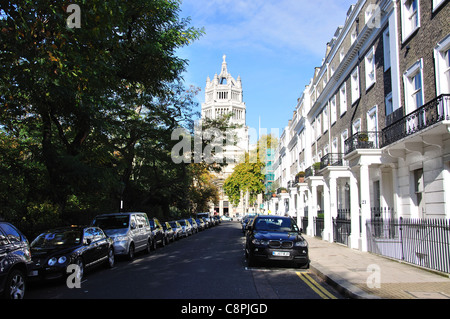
(206, 265)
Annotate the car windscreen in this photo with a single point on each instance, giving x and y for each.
(275, 224)
(112, 222)
(57, 238)
(182, 222)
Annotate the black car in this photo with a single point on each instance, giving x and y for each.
(15, 262)
(55, 250)
(275, 238)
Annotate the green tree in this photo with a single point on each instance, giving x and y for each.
(89, 97)
(246, 177)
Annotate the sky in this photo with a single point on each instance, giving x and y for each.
(274, 45)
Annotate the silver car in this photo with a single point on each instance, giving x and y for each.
(130, 231)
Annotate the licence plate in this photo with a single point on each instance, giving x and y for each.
(280, 253)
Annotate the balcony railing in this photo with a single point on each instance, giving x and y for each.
(332, 159)
(362, 140)
(428, 114)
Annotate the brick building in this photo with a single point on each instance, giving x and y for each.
(371, 129)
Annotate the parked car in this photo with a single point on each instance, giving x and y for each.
(201, 224)
(246, 220)
(186, 227)
(15, 262)
(275, 238)
(159, 236)
(170, 233)
(194, 225)
(130, 231)
(176, 228)
(54, 250)
(226, 218)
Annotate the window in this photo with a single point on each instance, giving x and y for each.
(413, 87)
(355, 85)
(343, 99)
(11, 233)
(356, 126)
(341, 55)
(437, 4)
(410, 17)
(325, 119)
(442, 61)
(369, 62)
(333, 110)
(388, 104)
(353, 36)
(386, 50)
(344, 137)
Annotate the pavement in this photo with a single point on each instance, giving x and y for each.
(363, 275)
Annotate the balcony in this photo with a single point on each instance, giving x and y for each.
(435, 111)
(333, 159)
(362, 140)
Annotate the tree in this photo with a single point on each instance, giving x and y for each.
(246, 177)
(89, 97)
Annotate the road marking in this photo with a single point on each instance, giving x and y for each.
(322, 292)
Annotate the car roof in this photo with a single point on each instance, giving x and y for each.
(118, 214)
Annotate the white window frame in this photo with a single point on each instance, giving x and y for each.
(410, 18)
(387, 49)
(325, 119)
(437, 4)
(354, 78)
(356, 126)
(344, 137)
(370, 68)
(442, 66)
(333, 111)
(411, 92)
(343, 98)
(388, 102)
(353, 36)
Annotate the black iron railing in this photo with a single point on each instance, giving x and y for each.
(428, 114)
(332, 159)
(423, 242)
(362, 140)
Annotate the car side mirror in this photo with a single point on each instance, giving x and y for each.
(87, 241)
(249, 227)
(133, 225)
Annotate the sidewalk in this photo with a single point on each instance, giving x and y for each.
(350, 271)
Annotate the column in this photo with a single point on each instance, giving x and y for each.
(333, 207)
(312, 209)
(354, 213)
(327, 230)
(365, 203)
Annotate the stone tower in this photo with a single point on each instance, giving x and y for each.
(224, 95)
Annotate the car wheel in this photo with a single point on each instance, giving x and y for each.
(111, 258)
(148, 248)
(15, 285)
(131, 252)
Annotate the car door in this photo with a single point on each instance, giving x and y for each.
(101, 243)
(90, 253)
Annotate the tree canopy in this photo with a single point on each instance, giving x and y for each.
(87, 113)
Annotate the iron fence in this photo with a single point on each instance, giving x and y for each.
(342, 226)
(423, 242)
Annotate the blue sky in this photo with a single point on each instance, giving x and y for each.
(273, 45)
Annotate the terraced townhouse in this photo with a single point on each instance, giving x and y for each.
(369, 136)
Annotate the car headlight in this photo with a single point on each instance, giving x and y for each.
(52, 261)
(301, 243)
(260, 242)
(62, 259)
(120, 238)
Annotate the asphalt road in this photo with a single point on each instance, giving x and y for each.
(209, 265)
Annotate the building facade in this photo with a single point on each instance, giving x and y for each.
(370, 132)
(224, 95)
